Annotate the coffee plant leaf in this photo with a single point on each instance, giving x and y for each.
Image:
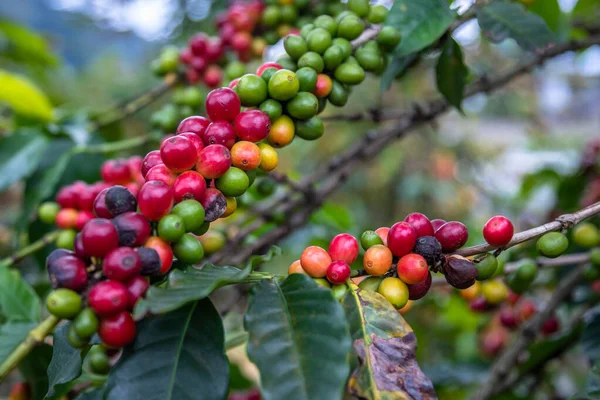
(20, 155)
(452, 73)
(18, 300)
(65, 365)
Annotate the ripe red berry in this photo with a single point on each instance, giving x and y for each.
(421, 224)
(508, 318)
(79, 249)
(189, 185)
(343, 247)
(108, 298)
(214, 161)
(135, 166)
(82, 218)
(401, 238)
(478, 305)
(220, 132)
(383, 232)
(198, 64)
(155, 200)
(67, 197)
(178, 153)
(437, 223)
(338, 272)
(214, 49)
(161, 173)
(266, 65)
(164, 250)
(99, 236)
(198, 43)
(195, 139)
(151, 159)
(223, 104)
(192, 76)
(493, 342)
(195, 124)
(452, 236)
(185, 56)
(526, 310)
(412, 268)
(233, 83)
(214, 204)
(419, 290)
(121, 264)
(133, 229)
(85, 201)
(118, 330)
(252, 125)
(498, 231)
(136, 289)
(551, 326)
(67, 218)
(115, 172)
(68, 272)
(213, 76)
(100, 209)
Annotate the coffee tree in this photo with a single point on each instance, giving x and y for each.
(146, 268)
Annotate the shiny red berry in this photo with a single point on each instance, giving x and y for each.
(338, 272)
(68, 272)
(99, 236)
(150, 160)
(195, 124)
(214, 49)
(164, 251)
(121, 264)
(437, 223)
(452, 236)
(401, 238)
(412, 268)
(196, 140)
(508, 318)
(118, 330)
(213, 76)
(220, 132)
(223, 104)
(155, 200)
(198, 43)
(136, 289)
(551, 326)
(133, 229)
(67, 197)
(478, 305)
(498, 231)
(421, 224)
(178, 153)
(252, 125)
(115, 172)
(85, 202)
(343, 247)
(266, 65)
(189, 185)
(82, 218)
(100, 209)
(214, 161)
(162, 174)
(108, 298)
(419, 290)
(199, 64)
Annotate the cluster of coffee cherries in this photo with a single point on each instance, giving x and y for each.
(74, 203)
(398, 261)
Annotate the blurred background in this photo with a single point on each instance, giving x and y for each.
(519, 152)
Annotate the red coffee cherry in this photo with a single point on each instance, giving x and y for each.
(214, 49)
(118, 330)
(233, 83)
(68, 272)
(508, 318)
(421, 224)
(133, 229)
(85, 201)
(493, 342)
(437, 224)
(419, 290)
(479, 304)
(412, 268)
(189, 185)
(192, 76)
(245, 155)
(526, 310)
(198, 64)
(213, 76)
(164, 250)
(498, 231)
(383, 232)
(136, 289)
(151, 159)
(452, 236)
(100, 209)
(79, 249)
(401, 238)
(266, 65)
(551, 326)
(162, 174)
(115, 172)
(121, 264)
(155, 200)
(99, 236)
(67, 197)
(108, 298)
(252, 125)
(214, 204)
(178, 153)
(197, 44)
(343, 247)
(214, 161)
(223, 104)
(82, 218)
(338, 272)
(315, 261)
(241, 42)
(220, 132)
(195, 139)
(195, 124)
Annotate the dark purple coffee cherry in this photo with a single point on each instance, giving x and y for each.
(150, 261)
(419, 290)
(119, 199)
(55, 255)
(429, 248)
(68, 272)
(459, 272)
(133, 229)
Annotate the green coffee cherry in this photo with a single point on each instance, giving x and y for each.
(552, 244)
(312, 60)
(306, 29)
(188, 249)
(345, 45)
(359, 7)
(527, 271)
(191, 213)
(322, 282)
(66, 239)
(235, 69)
(388, 38)
(268, 74)
(283, 85)
(369, 239)
(271, 15)
(202, 229)
(369, 56)
(303, 106)
(591, 273)
(377, 14)
(339, 291)
(326, 22)
(48, 211)
(286, 62)
(349, 74)
(333, 56)
(309, 129)
(251, 89)
(233, 183)
(371, 282)
(63, 303)
(319, 40)
(272, 108)
(595, 257)
(289, 14)
(486, 267)
(586, 235)
(75, 340)
(338, 95)
(350, 27)
(86, 323)
(98, 361)
(171, 227)
(295, 46)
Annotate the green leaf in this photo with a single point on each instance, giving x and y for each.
(34, 368)
(420, 23)
(385, 345)
(25, 45)
(65, 366)
(550, 11)
(502, 19)
(299, 339)
(20, 155)
(396, 69)
(175, 356)
(11, 335)
(586, 8)
(451, 73)
(591, 387)
(24, 97)
(18, 300)
(334, 216)
(192, 284)
(92, 394)
(590, 339)
(535, 180)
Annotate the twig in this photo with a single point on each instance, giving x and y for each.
(501, 368)
(39, 244)
(34, 337)
(368, 34)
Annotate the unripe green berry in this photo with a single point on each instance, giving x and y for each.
(66, 239)
(388, 38)
(552, 244)
(48, 211)
(369, 239)
(328, 23)
(377, 14)
(586, 235)
(295, 46)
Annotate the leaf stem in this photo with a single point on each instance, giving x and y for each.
(39, 244)
(34, 337)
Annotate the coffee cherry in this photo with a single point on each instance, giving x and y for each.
(551, 326)
(121, 264)
(586, 235)
(63, 303)
(493, 342)
(359, 7)
(369, 239)
(136, 289)
(323, 86)
(343, 247)
(191, 213)
(178, 153)
(401, 238)
(494, 292)
(67, 218)
(119, 200)
(79, 249)
(133, 229)
(219, 132)
(315, 261)
(115, 172)
(282, 132)
(266, 65)
(508, 318)
(68, 272)
(47, 212)
(189, 185)
(486, 267)
(55, 255)
(212, 241)
(99, 362)
(338, 272)
(86, 323)
(171, 228)
(377, 14)
(117, 330)
(268, 157)
(377, 260)
(437, 224)
(99, 236)
(108, 298)
(188, 249)
(383, 232)
(388, 38)
(526, 310)
(452, 236)
(322, 282)
(245, 155)
(478, 305)
(296, 268)
(272, 108)
(498, 231)
(412, 268)
(151, 262)
(429, 248)
(196, 140)
(100, 209)
(251, 89)
(155, 200)
(283, 85)
(214, 204)
(214, 161)
(222, 105)
(472, 292)
(67, 197)
(595, 257)
(83, 217)
(252, 125)
(195, 124)
(198, 43)
(420, 223)
(420, 289)
(395, 291)
(303, 106)
(233, 183)
(459, 272)
(552, 244)
(150, 160)
(66, 239)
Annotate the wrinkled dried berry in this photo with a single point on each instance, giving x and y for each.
(460, 272)
(429, 248)
(214, 204)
